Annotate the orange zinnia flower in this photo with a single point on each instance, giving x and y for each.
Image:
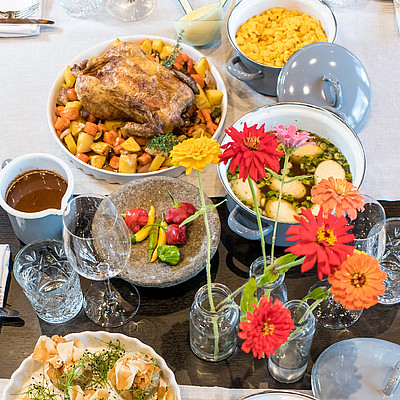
(337, 195)
(358, 282)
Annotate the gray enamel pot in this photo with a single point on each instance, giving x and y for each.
(263, 78)
(324, 123)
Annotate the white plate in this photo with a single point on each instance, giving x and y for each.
(276, 394)
(355, 369)
(110, 176)
(93, 341)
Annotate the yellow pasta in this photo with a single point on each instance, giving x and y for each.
(271, 37)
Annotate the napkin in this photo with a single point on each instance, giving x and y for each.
(4, 260)
(11, 30)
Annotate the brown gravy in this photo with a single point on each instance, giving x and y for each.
(36, 190)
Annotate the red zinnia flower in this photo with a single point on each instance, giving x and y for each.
(322, 240)
(252, 150)
(266, 328)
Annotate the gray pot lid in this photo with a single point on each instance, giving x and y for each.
(330, 76)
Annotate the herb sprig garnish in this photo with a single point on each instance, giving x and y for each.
(170, 60)
(164, 142)
(40, 391)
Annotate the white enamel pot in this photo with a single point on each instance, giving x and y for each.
(260, 77)
(324, 123)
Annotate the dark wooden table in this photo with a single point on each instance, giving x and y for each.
(163, 319)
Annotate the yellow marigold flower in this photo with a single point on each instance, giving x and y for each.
(358, 282)
(195, 153)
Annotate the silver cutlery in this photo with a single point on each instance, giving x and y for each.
(9, 312)
(26, 21)
(23, 13)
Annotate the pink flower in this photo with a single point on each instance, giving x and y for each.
(290, 138)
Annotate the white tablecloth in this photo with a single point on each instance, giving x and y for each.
(29, 66)
(197, 392)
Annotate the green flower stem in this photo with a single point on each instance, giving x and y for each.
(279, 205)
(208, 265)
(260, 228)
(216, 334)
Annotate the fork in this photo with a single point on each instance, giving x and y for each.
(23, 13)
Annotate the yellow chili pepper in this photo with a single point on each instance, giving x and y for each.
(142, 234)
(162, 239)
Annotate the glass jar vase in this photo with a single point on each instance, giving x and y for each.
(289, 362)
(276, 289)
(213, 335)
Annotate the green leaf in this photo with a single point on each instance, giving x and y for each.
(319, 293)
(201, 211)
(248, 297)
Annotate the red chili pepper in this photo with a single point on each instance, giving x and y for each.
(135, 218)
(176, 234)
(179, 212)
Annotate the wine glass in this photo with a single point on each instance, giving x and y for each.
(369, 230)
(130, 10)
(97, 244)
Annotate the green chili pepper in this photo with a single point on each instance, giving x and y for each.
(153, 237)
(169, 254)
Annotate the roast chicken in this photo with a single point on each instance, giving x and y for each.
(123, 84)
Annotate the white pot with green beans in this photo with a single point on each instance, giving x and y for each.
(337, 152)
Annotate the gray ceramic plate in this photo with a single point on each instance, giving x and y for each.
(153, 191)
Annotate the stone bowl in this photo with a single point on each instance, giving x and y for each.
(146, 192)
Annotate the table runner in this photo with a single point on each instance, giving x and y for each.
(197, 392)
(367, 28)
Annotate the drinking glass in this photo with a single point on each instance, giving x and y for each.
(369, 229)
(130, 10)
(81, 8)
(97, 244)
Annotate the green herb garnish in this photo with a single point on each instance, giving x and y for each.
(170, 60)
(40, 391)
(164, 142)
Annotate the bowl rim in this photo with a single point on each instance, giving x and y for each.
(222, 168)
(98, 48)
(321, 3)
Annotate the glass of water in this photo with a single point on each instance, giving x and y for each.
(81, 8)
(49, 282)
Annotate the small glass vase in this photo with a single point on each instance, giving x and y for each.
(203, 323)
(290, 361)
(276, 289)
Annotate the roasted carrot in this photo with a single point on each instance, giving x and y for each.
(72, 113)
(117, 146)
(201, 116)
(190, 68)
(150, 57)
(114, 162)
(71, 94)
(144, 159)
(90, 128)
(211, 127)
(92, 118)
(110, 136)
(62, 123)
(59, 109)
(198, 79)
(82, 156)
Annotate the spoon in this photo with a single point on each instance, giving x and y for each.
(9, 312)
(188, 8)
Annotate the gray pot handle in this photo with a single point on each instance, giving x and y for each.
(241, 230)
(5, 162)
(333, 90)
(241, 75)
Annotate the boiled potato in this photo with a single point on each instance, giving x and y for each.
(287, 212)
(127, 163)
(309, 150)
(201, 99)
(329, 168)
(214, 96)
(243, 191)
(84, 142)
(156, 163)
(157, 45)
(146, 46)
(131, 144)
(294, 188)
(315, 209)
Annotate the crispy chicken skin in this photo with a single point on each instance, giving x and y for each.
(123, 84)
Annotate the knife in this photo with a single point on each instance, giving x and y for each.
(18, 21)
